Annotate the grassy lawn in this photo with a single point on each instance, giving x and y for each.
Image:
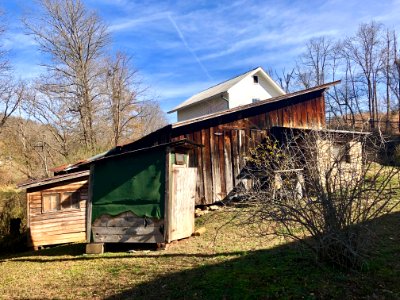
(231, 265)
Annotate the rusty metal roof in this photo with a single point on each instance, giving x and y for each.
(69, 167)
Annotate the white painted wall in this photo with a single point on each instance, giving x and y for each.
(203, 108)
(243, 92)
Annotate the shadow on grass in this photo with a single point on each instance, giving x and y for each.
(284, 272)
(280, 272)
(43, 259)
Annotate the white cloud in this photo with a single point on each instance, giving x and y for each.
(18, 41)
(132, 23)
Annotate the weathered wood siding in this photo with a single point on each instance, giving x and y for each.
(227, 138)
(127, 228)
(226, 145)
(56, 227)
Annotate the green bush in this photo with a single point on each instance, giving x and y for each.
(12, 206)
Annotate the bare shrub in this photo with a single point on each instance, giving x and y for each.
(318, 188)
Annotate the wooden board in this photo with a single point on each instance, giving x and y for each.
(182, 203)
(127, 228)
(207, 171)
(228, 162)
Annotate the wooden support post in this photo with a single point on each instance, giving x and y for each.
(167, 197)
(89, 206)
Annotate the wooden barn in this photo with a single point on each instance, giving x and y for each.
(124, 206)
(228, 135)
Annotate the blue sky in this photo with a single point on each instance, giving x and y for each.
(183, 47)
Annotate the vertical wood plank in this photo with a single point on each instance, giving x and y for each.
(235, 155)
(200, 177)
(229, 181)
(168, 196)
(221, 150)
(216, 177)
(89, 206)
(206, 158)
(242, 148)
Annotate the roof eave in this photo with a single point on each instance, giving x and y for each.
(201, 101)
(52, 180)
(260, 103)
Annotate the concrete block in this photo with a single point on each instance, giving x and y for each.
(95, 248)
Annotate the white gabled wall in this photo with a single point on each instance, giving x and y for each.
(203, 108)
(246, 90)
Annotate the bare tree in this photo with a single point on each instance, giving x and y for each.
(11, 93)
(152, 118)
(319, 190)
(57, 120)
(395, 86)
(285, 79)
(314, 63)
(365, 50)
(122, 91)
(74, 38)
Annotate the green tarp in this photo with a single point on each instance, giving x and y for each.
(132, 182)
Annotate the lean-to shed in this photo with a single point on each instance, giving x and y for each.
(56, 209)
(143, 196)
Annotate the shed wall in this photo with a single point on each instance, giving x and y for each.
(65, 226)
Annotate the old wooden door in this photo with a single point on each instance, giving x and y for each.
(182, 202)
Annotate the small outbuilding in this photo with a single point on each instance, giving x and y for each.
(143, 196)
(56, 209)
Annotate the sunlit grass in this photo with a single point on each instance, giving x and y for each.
(228, 261)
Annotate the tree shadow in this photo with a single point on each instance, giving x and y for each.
(285, 272)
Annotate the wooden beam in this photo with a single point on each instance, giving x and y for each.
(89, 205)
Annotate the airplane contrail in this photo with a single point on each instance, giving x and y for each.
(187, 46)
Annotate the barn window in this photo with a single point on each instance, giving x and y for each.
(254, 100)
(70, 200)
(179, 158)
(60, 201)
(51, 202)
(255, 79)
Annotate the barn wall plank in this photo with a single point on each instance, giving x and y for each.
(63, 226)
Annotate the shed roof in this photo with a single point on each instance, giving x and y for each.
(222, 88)
(51, 180)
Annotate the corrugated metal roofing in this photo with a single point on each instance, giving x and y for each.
(69, 167)
(216, 89)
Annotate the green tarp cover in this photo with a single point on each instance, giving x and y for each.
(133, 182)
